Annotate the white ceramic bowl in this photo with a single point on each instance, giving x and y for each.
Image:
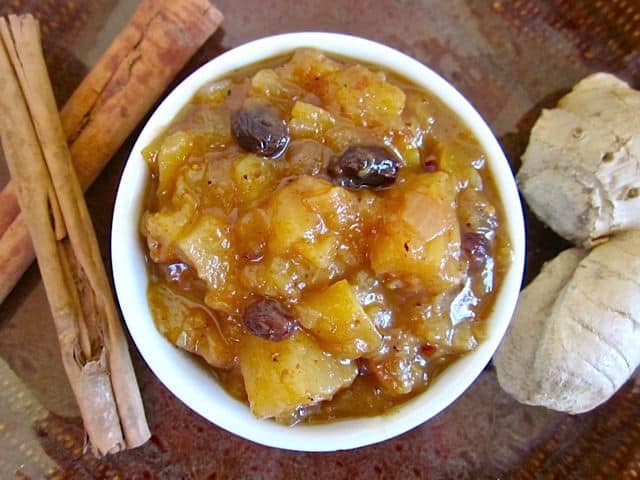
(194, 384)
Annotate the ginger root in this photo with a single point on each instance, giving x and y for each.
(575, 336)
(580, 173)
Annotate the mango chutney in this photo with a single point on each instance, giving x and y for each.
(325, 235)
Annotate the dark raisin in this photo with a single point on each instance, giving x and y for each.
(365, 167)
(268, 318)
(258, 129)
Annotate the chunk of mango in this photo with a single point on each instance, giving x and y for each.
(188, 326)
(364, 97)
(267, 83)
(254, 177)
(163, 229)
(419, 239)
(207, 247)
(209, 124)
(339, 208)
(291, 220)
(213, 93)
(309, 121)
(173, 153)
(457, 159)
(307, 67)
(336, 318)
(322, 252)
(281, 376)
(400, 368)
(314, 219)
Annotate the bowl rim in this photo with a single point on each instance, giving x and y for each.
(186, 377)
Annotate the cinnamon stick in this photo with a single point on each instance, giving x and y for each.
(93, 346)
(9, 208)
(16, 254)
(114, 97)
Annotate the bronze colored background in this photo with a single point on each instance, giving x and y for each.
(510, 58)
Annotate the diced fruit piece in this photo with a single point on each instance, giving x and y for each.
(309, 217)
(315, 223)
(307, 68)
(209, 124)
(444, 324)
(267, 83)
(187, 187)
(309, 121)
(420, 110)
(419, 239)
(150, 152)
(207, 247)
(345, 134)
(277, 276)
(373, 298)
(322, 252)
(364, 97)
(220, 190)
(428, 205)
(188, 326)
(458, 159)
(213, 93)
(163, 230)
(439, 331)
(432, 322)
(281, 376)
(291, 220)
(400, 368)
(307, 157)
(254, 177)
(408, 141)
(463, 339)
(370, 207)
(336, 318)
(338, 207)
(251, 232)
(430, 267)
(173, 153)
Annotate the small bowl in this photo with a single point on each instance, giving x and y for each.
(193, 383)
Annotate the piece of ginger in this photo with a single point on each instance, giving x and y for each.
(575, 337)
(580, 173)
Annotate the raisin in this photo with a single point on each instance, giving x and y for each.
(365, 167)
(268, 318)
(258, 129)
